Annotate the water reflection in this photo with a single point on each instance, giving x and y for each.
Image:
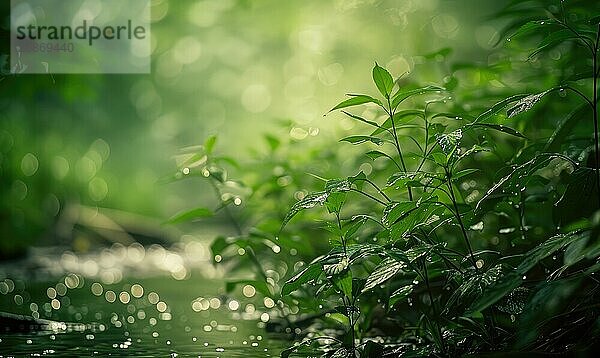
(129, 301)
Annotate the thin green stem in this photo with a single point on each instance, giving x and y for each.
(397, 143)
(459, 219)
(595, 109)
(433, 306)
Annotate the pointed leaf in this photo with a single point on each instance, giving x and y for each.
(383, 80)
(355, 101)
(501, 128)
(358, 139)
(383, 272)
(311, 272)
(310, 201)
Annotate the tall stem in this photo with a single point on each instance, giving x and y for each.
(397, 143)
(459, 219)
(433, 305)
(595, 109)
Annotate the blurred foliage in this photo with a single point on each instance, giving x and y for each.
(235, 67)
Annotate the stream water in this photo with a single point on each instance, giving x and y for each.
(130, 301)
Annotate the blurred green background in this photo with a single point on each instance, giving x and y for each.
(73, 146)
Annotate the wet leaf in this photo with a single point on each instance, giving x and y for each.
(514, 278)
(515, 301)
(312, 272)
(386, 269)
(525, 104)
(344, 283)
(501, 128)
(400, 295)
(449, 141)
(310, 201)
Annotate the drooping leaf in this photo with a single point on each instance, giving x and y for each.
(337, 267)
(190, 215)
(534, 26)
(383, 272)
(473, 284)
(395, 211)
(556, 38)
(383, 80)
(361, 119)
(374, 154)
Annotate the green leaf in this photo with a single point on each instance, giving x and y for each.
(394, 211)
(336, 267)
(499, 127)
(514, 278)
(374, 154)
(335, 201)
(209, 144)
(386, 269)
(310, 201)
(525, 104)
(401, 96)
(355, 224)
(190, 215)
(496, 108)
(464, 173)
(344, 283)
(449, 141)
(400, 294)
(312, 272)
(355, 101)
(361, 119)
(358, 139)
(383, 80)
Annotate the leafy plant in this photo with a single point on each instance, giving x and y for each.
(474, 231)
